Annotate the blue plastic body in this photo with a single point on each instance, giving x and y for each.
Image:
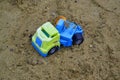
(67, 29)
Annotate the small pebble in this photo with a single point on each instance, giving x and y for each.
(21, 45)
(90, 46)
(32, 61)
(53, 14)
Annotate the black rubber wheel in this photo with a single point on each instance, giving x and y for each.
(77, 39)
(53, 50)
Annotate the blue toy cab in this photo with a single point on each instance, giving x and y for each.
(70, 32)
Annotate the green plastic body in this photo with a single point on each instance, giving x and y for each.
(49, 37)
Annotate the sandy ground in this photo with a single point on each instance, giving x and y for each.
(98, 58)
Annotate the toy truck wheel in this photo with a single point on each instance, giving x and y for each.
(58, 18)
(77, 39)
(52, 50)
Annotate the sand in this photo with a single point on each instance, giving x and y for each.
(98, 58)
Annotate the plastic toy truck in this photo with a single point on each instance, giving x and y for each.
(46, 39)
(70, 32)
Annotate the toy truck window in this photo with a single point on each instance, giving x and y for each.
(38, 41)
(53, 35)
(45, 32)
(67, 24)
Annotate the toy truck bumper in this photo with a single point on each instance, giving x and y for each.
(38, 50)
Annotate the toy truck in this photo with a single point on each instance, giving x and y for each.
(47, 39)
(70, 32)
